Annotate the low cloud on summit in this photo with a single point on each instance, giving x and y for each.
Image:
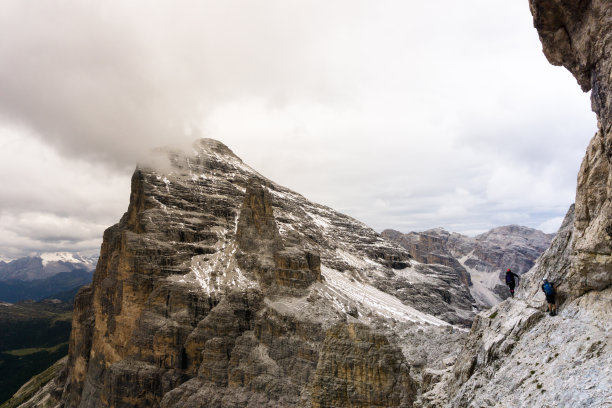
(403, 114)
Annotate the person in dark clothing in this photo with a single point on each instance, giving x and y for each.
(549, 290)
(510, 276)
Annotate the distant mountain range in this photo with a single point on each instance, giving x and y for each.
(481, 261)
(45, 265)
(45, 275)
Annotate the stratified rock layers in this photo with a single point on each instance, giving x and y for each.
(578, 35)
(480, 262)
(516, 355)
(219, 288)
(358, 368)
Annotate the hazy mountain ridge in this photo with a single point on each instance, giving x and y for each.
(62, 283)
(45, 266)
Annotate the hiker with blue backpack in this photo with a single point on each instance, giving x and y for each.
(510, 281)
(549, 290)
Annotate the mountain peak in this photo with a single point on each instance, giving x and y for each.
(68, 257)
(45, 265)
(222, 277)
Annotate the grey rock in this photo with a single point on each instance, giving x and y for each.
(219, 287)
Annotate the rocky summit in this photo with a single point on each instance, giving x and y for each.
(220, 288)
(481, 261)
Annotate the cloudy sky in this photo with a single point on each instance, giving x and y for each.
(403, 114)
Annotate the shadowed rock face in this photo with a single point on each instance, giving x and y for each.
(220, 288)
(346, 377)
(578, 35)
(280, 268)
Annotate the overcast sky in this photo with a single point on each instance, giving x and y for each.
(403, 114)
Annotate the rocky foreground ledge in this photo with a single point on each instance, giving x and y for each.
(516, 355)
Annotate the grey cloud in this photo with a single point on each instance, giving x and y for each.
(54, 203)
(30, 233)
(110, 80)
(50, 228)
(35, 178)
(405, 115)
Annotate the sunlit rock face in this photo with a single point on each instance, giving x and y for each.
(516, 355)
(220, 288)
(578, 35)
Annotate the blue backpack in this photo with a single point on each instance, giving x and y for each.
(548, 288)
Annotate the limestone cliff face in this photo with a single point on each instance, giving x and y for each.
(516, 355)
(220, 288)
(280, 267)
(347, 377)
(578, 35)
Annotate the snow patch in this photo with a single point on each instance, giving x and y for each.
(354, 261)
(64, 257)
(216, 272)
(373, 299)
(318, 220)
(483, 284)
(412, 276)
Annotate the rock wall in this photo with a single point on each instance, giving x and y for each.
(516, 355)
(359, 368)
(430, 247)
(577, 34)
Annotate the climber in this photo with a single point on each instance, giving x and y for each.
(549, 290)
(510, 280)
